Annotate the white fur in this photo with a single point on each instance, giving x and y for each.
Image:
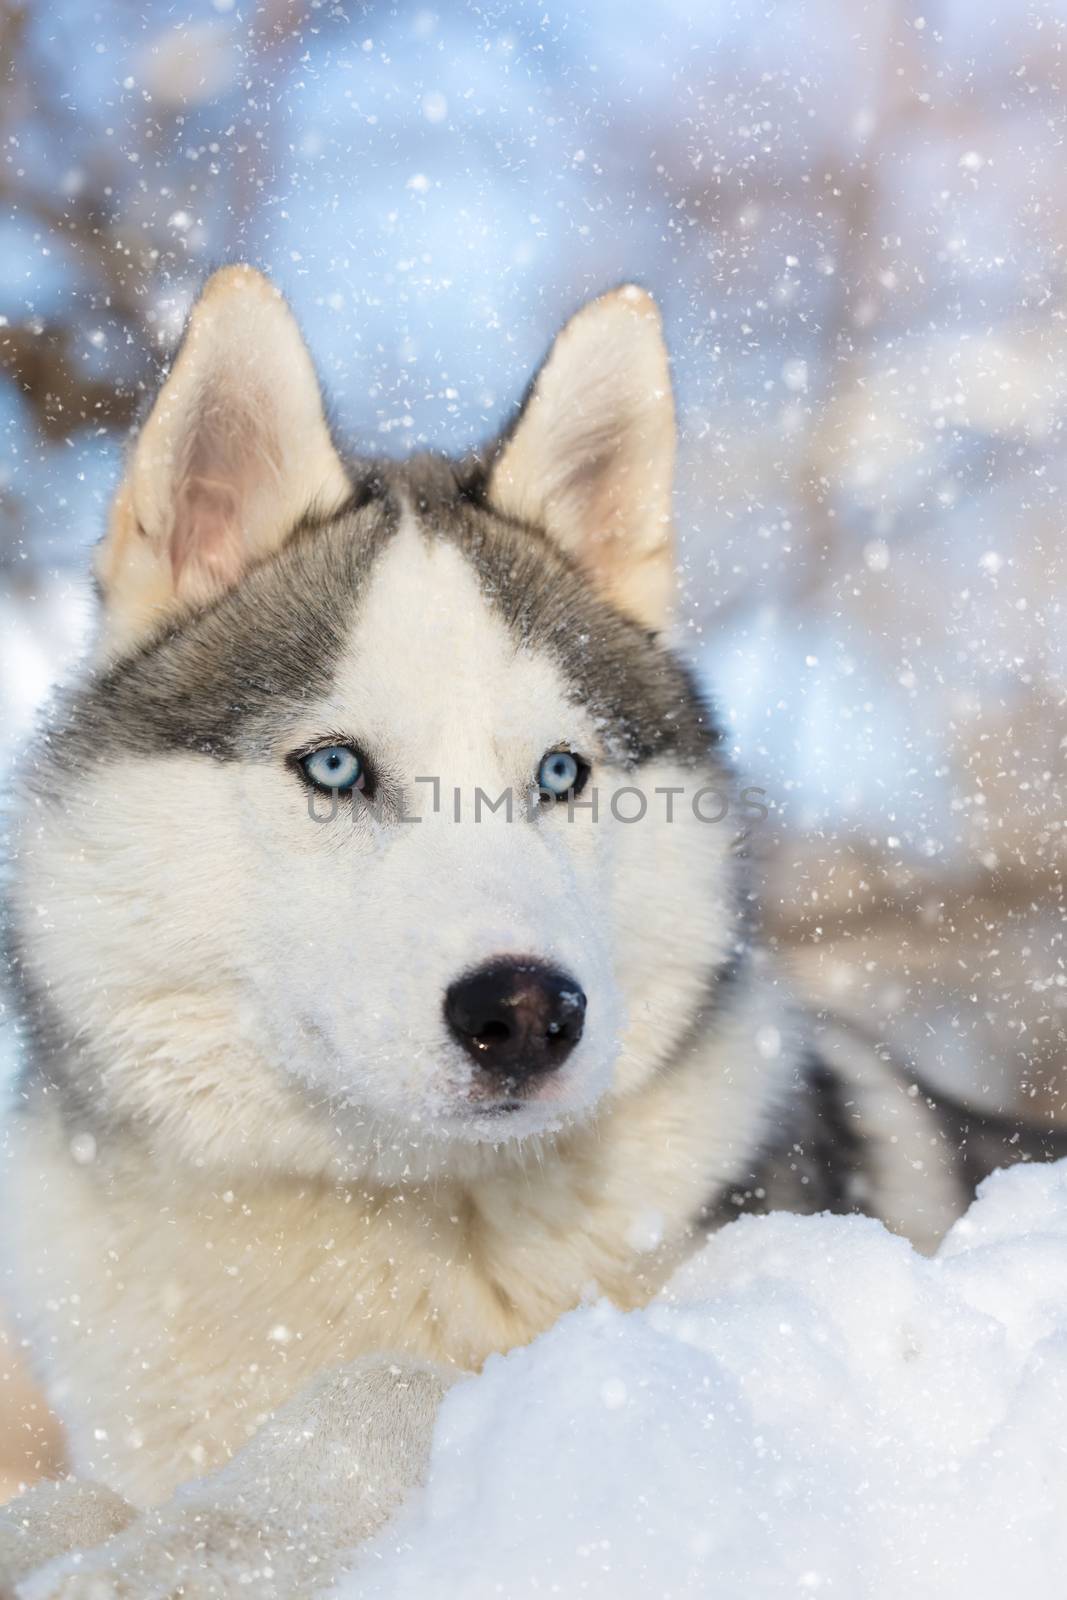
(916, 1190)
(318, 1479)
(267, 995)
(286, 1161)
(171, 870)
(177, 1308)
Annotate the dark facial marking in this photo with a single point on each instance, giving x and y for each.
(215, 681)
(646, 699)
(809, 1160)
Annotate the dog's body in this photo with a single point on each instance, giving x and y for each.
(258, 1136)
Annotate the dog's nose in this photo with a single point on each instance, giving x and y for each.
(517, 1020)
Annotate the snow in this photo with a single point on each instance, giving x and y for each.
(811, 1409)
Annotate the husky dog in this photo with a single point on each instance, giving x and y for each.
(387, 984)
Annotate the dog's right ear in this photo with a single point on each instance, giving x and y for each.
(234, 454)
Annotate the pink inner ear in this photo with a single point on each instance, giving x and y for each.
(207, 539)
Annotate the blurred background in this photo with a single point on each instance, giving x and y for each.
(854, 216)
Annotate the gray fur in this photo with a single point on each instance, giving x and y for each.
(214, 680)
(220, 681)
(228, 682)
(225, 681)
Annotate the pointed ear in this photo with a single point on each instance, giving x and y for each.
(591, 458)
(235, 452)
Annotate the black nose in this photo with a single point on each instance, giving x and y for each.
(517, 1020)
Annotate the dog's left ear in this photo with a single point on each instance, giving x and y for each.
(591, 457)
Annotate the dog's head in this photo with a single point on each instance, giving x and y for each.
(379, 835)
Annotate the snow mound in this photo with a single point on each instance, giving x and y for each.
(810, 1409)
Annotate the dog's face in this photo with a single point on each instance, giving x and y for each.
(329, 863)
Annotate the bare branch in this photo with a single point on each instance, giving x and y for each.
(45, 368)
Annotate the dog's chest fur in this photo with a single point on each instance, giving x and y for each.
(190, 1310)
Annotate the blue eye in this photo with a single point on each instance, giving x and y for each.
(335, 766)
(561, 774)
